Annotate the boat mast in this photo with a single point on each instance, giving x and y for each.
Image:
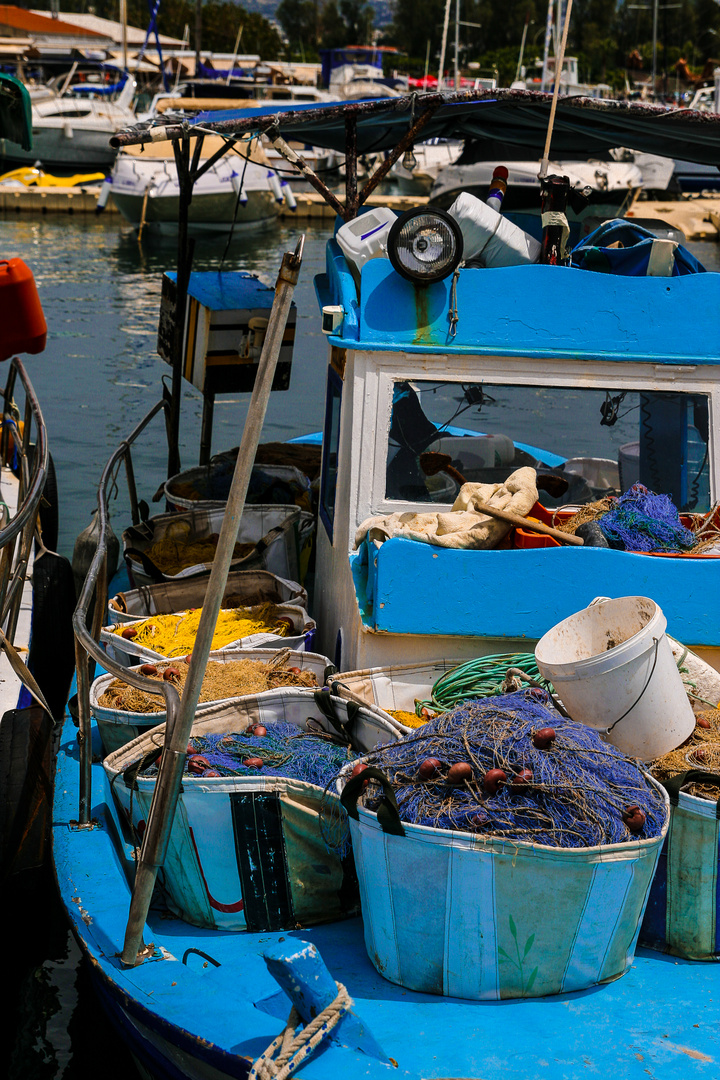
(123, 23)
(457, 44)
(522, 46)
(443, 47)
(546, 48)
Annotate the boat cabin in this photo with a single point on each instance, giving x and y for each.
(603, 380)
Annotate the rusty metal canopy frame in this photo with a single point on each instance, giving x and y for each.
(583, 127)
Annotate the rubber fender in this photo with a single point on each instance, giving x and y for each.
(23, 328)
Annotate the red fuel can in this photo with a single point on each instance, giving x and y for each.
(22, 324)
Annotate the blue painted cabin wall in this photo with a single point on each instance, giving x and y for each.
(534, 311)
(405, 587)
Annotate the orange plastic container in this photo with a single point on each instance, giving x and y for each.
(22, 324)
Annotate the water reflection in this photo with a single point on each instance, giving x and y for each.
(101, 373)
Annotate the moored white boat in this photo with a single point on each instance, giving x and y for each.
(72, 133)
(247, 193)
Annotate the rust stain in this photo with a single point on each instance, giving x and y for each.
(423, 335)
(697, 1055)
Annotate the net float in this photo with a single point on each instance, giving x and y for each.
(525, 776)
(253, 763)
(148, 669)
(211, 772)
(295, 670)
(129, 633)
(198, 764)
(429, 768)
(460, 772)
(357, 769)
(702, 722)
(700, 753)
(493, 779)
(259, 730)
(188, 658)
(544, 738)
(634, 819)
(170, 674)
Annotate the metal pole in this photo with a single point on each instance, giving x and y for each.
(522, 46)
(441, 69)
(198, 33)
(457, 44)
(179, 725)
(654, 52)
(123, 23)
(235, 54)
(185, 184)
(546, 47)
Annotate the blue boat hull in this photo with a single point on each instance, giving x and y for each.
(205, 1005)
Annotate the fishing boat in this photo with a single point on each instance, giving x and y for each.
(36, 590)
(417, 344)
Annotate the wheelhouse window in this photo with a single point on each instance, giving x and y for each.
(331, 443)
(600, 441)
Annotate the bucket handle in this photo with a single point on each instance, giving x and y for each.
(698, 776)
(388, 814)
(637, 700)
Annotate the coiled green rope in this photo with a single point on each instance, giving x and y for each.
(479, 679)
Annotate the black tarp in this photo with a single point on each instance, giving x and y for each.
(583, 126)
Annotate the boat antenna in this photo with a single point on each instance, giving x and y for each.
(544, 164)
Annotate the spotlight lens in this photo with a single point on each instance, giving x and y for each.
(425, 245)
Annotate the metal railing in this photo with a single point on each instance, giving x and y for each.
(87, 641)
(24, 445)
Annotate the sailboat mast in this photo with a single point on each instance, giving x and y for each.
(443, 47)
(546, 49)
(123, 24)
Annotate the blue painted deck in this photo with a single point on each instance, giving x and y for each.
(407, 587)
(659, 1020)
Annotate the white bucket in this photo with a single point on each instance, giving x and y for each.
(612, 666)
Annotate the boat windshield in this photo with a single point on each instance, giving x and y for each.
(602, 441)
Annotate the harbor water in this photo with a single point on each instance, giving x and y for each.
(97, 378)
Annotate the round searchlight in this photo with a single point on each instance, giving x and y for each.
(425, 245)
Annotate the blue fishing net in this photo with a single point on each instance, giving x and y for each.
(579, 789)
(284, 751)
(644, 521)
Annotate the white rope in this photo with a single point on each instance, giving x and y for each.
(288, 1051)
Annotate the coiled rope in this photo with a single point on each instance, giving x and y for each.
(479, 678)
(288, 1051)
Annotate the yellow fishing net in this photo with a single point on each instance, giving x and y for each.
(409, 719)
(174, 635)
(220, 681)
(702, 744)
